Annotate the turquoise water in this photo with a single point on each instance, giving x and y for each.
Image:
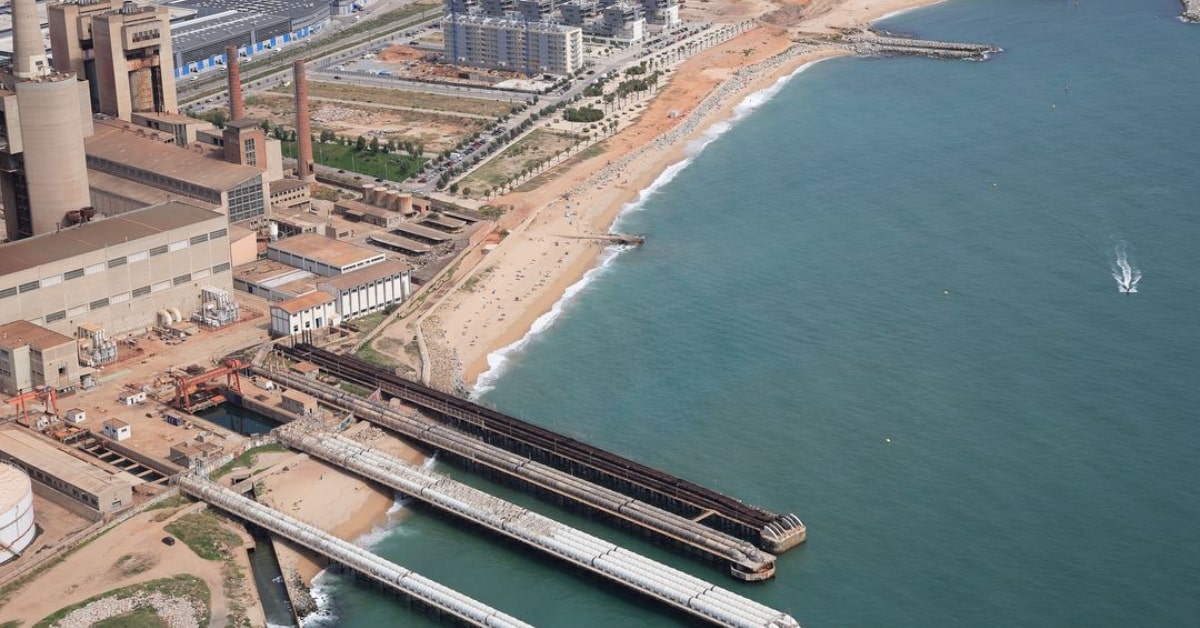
(914, 250)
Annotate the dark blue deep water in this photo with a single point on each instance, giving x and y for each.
(921, 251)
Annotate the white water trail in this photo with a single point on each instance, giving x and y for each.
(1124, 272)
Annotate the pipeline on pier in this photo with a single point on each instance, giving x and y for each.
(745, 561)
(655, 580)
(386, 573)
(773, 532)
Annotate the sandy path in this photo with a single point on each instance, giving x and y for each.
(93, 570)
(532, 268)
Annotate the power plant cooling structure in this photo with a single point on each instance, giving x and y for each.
(304, 150)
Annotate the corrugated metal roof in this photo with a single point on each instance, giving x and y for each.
(353, 279)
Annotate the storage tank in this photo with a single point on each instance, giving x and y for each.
(406, 203)
(368, 192)
(273, 231)
(16, 512)
(392, 200)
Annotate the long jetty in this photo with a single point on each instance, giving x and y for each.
(771, 531)
(388, 574)
(870, 43)
(744, 560)
(650, 578)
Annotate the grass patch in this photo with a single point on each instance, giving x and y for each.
(248, 459)
(526, 154)
(139, 618)
(404, 98)
(390, 166)
(205, 534)
(367, 353)
(134, 564)
(176, 587)
(11, 624)
(170, 502)
(353, 389)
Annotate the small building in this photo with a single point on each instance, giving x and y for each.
(32, 355)
(76, 416)
(321, 255)
(290, 195)
(306, 369)
(315, 310)
(132, 397)
(300, 403)
(273, 281)
(370, 214)
(117, 430)
(189, 454)
(63, 478)
(370, 289)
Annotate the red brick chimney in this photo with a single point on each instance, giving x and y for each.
(237, 106)
(304, 149)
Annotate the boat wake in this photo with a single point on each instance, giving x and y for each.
(1124, 271)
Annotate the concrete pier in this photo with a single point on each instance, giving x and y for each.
(388, 574)
(870, 43)
(657, 581)
(744, 561)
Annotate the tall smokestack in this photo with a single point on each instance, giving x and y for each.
(29, 53)
(237, 106)
(304, 151)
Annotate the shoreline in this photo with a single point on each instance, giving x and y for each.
(521, 288)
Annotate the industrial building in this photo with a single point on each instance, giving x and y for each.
(17, 527)
(63, 478)
(273, 281)
(370, 289)
(122, 48)
(251, 26)
(512, 44)
(314, 310)
(116, 272)
(322, 256)
(31, 356)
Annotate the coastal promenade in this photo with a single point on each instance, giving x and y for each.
(660, 583)
(771, 531)
(438, 598)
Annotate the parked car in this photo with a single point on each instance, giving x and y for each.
(168, 540)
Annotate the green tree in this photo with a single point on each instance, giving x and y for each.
(374, 145)
(360, 144)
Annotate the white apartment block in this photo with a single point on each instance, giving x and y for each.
(514, 45)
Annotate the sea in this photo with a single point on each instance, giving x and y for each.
(947, 312)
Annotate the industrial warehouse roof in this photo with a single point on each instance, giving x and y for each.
(289, 8)
(356, 278)
(20, 333)
(34, 452)
(326, 250)
(94, 236)
(304, 302)
(181, 164)
(218, 27)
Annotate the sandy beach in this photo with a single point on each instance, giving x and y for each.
(547, 250)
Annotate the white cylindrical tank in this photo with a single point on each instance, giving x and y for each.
(273, 231)
(16, 512)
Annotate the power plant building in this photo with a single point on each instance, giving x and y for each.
(512, 44)
(32, 355)
(252, 26)
(117, 272)
(65, 479)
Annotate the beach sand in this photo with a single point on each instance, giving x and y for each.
(545, 251)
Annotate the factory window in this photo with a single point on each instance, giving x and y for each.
(97, 304)
(220, 268)
(29, 286)
(251, 155)
(141, 292)
(8, 292)
(203, 237)
(73, 274)
(120, 298)
(139, 256)
(54, 317)
(219, 233)
(118, 261)
(158, 250)
(182, 279)
(180, 244)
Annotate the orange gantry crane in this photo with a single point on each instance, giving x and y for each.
(46, 394)
(185, 386)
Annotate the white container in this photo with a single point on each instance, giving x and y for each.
(16, 511)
